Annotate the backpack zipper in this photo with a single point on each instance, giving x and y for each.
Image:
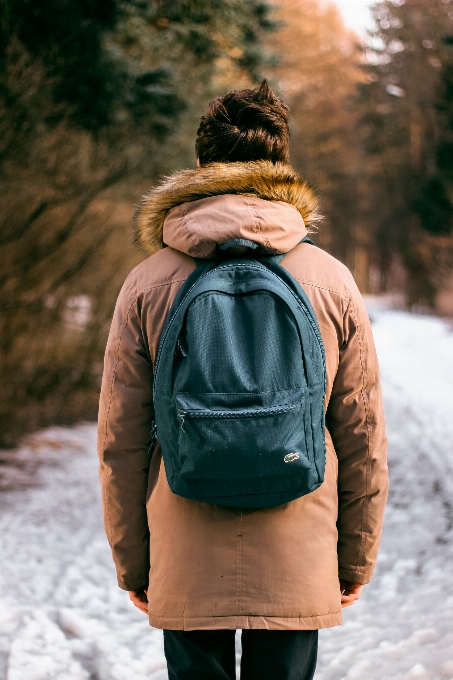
(238, 413)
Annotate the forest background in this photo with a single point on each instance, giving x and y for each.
(99, 98)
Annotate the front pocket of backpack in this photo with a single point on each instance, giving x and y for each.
(237, 449)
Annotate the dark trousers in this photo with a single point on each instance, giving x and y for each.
(266, 654)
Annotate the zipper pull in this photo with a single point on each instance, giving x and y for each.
(180, 348)
(181, 416)
(153, 436)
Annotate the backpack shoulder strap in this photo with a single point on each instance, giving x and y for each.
(280, 256)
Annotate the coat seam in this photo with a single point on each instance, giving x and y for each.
(239, 565)
(112, 379)
(185, 222)
(250, 616)
(258, 224)
(326, 288)
(357, 570)
(368, 430)
(107, 414)
(326, 620)
(158, 285)
(367, 413)
(110, 536)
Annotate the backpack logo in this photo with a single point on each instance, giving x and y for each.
(290, 457)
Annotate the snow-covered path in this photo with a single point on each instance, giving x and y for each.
(62, 616)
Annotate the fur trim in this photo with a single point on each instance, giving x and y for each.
(263, 179)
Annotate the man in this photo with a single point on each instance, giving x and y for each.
(201, 570)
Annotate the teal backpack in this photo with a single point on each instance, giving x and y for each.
(239, 385)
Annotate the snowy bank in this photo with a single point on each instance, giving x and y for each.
(62, 616)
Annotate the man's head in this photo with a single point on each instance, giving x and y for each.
(244, 125)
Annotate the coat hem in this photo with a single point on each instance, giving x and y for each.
(246, 622)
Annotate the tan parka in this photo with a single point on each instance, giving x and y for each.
(209, 566)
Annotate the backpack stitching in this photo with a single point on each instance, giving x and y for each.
(291, 389)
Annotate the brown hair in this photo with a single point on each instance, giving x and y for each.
(244, 125)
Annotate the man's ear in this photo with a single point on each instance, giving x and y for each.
(198, 163)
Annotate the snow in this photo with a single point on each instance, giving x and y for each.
(62, 617)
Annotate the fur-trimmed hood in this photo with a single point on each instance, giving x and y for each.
(195, 210)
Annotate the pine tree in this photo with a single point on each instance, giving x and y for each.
(405, 125)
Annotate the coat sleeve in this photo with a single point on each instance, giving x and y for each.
(355, 420)
(125, 416)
